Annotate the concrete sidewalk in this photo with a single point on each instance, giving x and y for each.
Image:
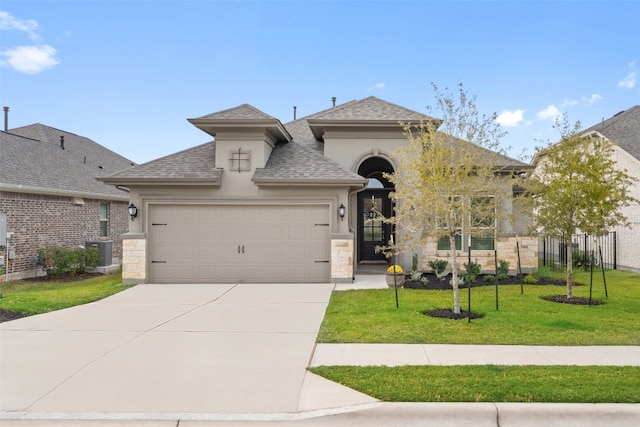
(444, 354)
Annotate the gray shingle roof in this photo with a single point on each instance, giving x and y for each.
(36, 164)
(241, 112)
(193, 165)
(623, 128)
(370, 108)
(291, 163)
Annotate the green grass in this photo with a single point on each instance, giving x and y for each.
(370, 316)
(490, 383)
(29, 298)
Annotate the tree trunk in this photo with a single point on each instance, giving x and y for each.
(570, 270)
(454, 275)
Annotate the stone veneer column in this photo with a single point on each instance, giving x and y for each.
(342, 258)
(134, 259)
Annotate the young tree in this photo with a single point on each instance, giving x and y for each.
(448, 182)
(576, 186)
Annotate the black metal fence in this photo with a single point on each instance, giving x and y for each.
(584, 249)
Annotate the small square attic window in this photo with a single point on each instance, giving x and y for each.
(240, 160)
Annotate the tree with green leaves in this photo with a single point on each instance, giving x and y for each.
(576, 187)
(449, 181)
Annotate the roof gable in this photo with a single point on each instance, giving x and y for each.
(623, 128)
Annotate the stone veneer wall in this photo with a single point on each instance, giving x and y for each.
(134, 260)
(507, 250)
(342, 259)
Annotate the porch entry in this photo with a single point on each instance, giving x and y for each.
(373, 206)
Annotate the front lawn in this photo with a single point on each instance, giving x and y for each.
(27, 298)
(371, 316)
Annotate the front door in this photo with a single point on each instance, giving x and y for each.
(373, 207)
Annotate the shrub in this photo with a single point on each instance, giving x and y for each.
(530, 279)
(438, 265)
(416, 275)
(503, 269)
(473, 269)
(58, 260)
(414, 263)
(489, 278)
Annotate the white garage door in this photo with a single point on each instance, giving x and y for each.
(223, 243)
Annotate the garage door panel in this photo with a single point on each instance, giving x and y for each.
(201, 243)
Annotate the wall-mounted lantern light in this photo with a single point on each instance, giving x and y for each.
(341, 211)
(133, 211)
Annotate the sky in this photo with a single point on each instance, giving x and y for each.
(128, 73)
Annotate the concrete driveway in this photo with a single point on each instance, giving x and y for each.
(188, 349)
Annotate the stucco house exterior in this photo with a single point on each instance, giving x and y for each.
(266, 201)
(49, 196)
(624, 129)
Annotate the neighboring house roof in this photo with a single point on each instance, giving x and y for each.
(32, 160)
(194, 165)
(623, 128)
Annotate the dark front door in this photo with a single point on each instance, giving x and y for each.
(373, 207)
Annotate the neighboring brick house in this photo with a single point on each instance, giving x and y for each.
(49, 195)
(624, 129)
(272, 202)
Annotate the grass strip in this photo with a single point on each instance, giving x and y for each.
(490, 383)
(32, 297)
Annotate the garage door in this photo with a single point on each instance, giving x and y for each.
(224, 243)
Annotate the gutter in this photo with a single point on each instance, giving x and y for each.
(12, 188)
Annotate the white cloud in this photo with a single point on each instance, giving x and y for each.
(28, 26)
(510, 118)
(376, 86)
(629, 81)
(549, 113)
(569, 102)
(26, 59)
(592, 99)
(30, 59)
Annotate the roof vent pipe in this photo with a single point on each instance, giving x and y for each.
(294, 112)
(6, 118)
(62, 141)
(333, 100)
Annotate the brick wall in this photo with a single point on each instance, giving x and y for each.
(629, 237)
(38, 221)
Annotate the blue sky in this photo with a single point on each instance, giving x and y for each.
(128, 73)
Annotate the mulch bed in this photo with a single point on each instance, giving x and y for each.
(447, 313)
(443, 284)
(573, 300)
(5, 315)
